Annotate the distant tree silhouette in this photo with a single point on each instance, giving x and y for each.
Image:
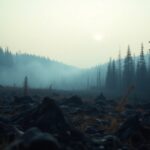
(128, 71)
(141, 73)
(111, 77)
(98, 81)
(1, 52)
(119, 74)
(6, 58)
(114, 80)
(2, 57)
(131, 73)
(148, 70)
(108, 76)
(25, 88)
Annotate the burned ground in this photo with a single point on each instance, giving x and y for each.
(61, 120)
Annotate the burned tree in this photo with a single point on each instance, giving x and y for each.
(25, 88)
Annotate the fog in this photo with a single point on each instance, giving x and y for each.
(82, 33)
(45, 73)
(113, 78)
(41, 72)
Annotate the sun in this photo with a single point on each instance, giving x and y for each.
(97, 37)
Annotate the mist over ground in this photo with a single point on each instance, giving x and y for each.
(42, 72)
(113, 78)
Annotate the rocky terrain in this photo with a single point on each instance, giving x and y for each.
(69, 122)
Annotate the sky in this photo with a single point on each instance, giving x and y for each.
(82, 33)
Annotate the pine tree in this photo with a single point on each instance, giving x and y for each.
(108, 76)
(88, 82)
(2, 57)
(114, 77)
(148, 70)
(8, 58)
(141, 73)
(98, 74)
(119, 74)
(128, 71)
(111, 78)
(149, 61)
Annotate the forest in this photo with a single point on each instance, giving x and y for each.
(131, 71)
(113, 78)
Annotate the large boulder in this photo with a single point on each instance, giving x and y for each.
(135, 130)
(100, 97)
(8, 132)
(100, 100)
(34, 139)
(129, 127)
(47, 116)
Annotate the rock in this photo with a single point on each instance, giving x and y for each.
(50, 117)
(145, 119)
(101, 97)
(73, 101)
(23, 100)
(90, 110)
(145, 127)
(145, 106)
(91, 130)
(110, 142)
(8, 133)
(144, 147)
(129, 127)
(76, 135)
(101, 102)
(47, 116)
(136, 130)
(34, 139)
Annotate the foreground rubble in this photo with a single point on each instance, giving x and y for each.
(72, 124)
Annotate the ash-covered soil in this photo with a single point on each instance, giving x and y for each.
(57, 120)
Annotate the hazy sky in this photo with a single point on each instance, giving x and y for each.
(77, 32)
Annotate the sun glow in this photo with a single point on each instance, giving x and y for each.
(54, 28)
(98, 37)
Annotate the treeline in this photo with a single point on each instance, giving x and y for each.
(123, 74)
(6, 58)
(114, 78)
(41, 71)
